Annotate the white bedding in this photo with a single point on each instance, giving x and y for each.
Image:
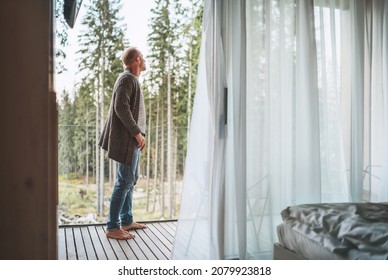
(347, 230)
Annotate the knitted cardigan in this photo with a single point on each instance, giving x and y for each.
(118, 135)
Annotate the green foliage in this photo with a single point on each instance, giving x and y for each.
(76, 199)
(85, 129)
(61, 36)
(66, 153)
(101, 44)
(102, 38)
(174, 42)
(176, 36)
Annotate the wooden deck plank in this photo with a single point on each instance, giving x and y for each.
(151, 244)
(89, 248)
(105, 243)
(166, 242)
(61, 244)
(101, 255)
(79, 244)
(71, 253)
(89, 242)
(128, 250)
(169, 227)
(138, 253)
(159, 243)
(143, 246)
(120, 254)
(164, 232)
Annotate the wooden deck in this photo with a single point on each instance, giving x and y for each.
(88, 242)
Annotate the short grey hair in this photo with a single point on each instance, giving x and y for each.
(129, 55)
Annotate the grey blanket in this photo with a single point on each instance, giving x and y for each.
(354, 230)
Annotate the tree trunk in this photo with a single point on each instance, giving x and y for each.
(148, 158)
(169, 136)
(94, 165)
(189, 90)
(156, 156)
(97, 178)
(162, 159)
(102, 165)
(175, 158)
(87, 148)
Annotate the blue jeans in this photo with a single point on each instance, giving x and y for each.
(120, 211)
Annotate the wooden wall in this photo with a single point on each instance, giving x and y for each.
(28, 127)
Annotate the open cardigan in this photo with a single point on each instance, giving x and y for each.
(121, 127)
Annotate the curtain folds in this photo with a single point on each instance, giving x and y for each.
(358, 97)
(384, 59)
(237, 232)
(199, 233)
(291, 107)
(366, 160)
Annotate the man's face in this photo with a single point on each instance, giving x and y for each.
(142, 62)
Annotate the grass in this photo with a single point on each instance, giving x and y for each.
(76, 199)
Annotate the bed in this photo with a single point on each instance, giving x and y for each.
(333, 231)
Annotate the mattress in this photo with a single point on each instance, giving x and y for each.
(336, 230)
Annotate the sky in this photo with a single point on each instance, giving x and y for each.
(137, 31)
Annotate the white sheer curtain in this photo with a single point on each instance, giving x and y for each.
(307, 119)
(283, 140)
(199, 233)
(384, 76)
(351, 59)
(375, 165)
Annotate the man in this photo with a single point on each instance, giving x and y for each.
(123, 139)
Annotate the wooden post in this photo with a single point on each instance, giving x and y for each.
(28, 148)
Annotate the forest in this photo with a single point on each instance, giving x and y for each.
(86, 175)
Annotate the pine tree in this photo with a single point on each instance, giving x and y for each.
(174, 42)
(66, 153)
(84, 129)
(169, 89)
(193, 33)
(101, 44)
(61, 37)
(160, 41)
